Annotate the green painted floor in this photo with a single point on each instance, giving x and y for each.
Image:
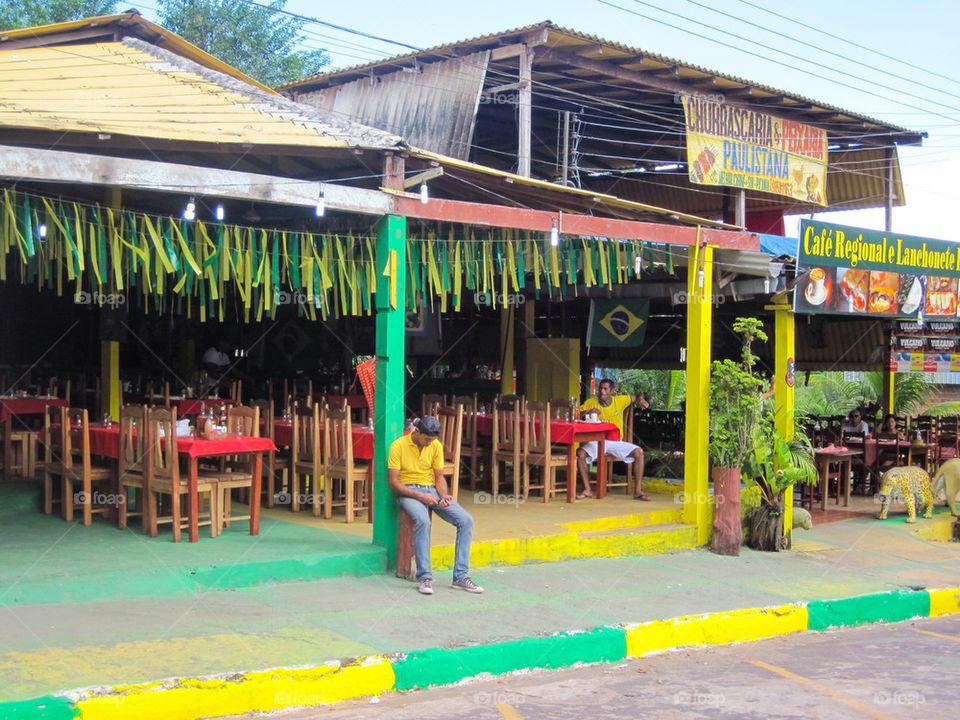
(46, 560)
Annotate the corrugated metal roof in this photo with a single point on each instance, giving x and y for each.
(129, 23)
(136, 89)
(722, 81)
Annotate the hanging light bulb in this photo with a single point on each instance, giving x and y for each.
(42, 231)
(637, 262)
(321, 205)
(701, 277)
(424, 193)
(190, 211)
(554, 235)
(218, 212)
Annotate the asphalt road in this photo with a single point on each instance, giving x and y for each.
(907, 670)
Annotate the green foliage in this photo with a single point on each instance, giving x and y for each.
(29, 13)
(776, 464)
(664, 389)
(830, 394)
(735, 400)
(256, 40)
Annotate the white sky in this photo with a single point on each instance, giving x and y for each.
(922, 33)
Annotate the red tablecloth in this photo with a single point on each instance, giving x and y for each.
(11, 407)
(362, 438)
(192, 406)
(105, 441)
(356, 402)
(561, 431)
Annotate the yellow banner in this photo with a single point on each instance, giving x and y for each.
(742, 148)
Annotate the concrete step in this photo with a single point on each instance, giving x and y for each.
(640, 519)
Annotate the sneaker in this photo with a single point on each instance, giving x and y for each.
(426, 586)
(467, 584)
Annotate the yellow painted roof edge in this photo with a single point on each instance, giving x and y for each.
(125, 21)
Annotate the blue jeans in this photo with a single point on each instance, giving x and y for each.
(453, 514)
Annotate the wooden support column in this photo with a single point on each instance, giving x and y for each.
(507, 349)
(110, 389)
(696, 471)
(525, 119)
(784, 392)
(390, 346)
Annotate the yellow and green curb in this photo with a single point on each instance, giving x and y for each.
(264, 691)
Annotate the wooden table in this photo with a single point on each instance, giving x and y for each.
(571, 434)
(842, 458)
(11, 407)
(105, 441)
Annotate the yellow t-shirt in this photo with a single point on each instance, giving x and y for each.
(612, 413)
(416, 466)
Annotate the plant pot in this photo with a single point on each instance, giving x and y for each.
(765, 528)
(727, 530)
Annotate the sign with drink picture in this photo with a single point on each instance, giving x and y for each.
(929, 346)
(851, 271)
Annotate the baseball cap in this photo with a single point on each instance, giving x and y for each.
(428, 425)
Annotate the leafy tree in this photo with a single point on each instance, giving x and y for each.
(664, 389)
(257, 40)
(29, 13)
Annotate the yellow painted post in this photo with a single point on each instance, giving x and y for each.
(110, 349)
(891, 391)
(506, 349)
(784, 392)
(696, 505)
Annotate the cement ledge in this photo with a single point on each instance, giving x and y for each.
(335, 681)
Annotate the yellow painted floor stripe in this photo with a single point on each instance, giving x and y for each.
(850, 702)
(955, 638)
(508, 712)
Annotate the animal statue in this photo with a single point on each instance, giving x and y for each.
(911, 482)
(802, 519)
(947, 479)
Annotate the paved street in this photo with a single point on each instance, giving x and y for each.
(908, 670)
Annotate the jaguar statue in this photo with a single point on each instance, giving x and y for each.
(911, 482)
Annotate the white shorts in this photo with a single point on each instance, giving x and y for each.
(613, 449)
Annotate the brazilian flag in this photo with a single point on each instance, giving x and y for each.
(618, 322)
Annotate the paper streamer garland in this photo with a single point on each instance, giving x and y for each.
(205, 269)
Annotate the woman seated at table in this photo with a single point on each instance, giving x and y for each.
(855, 423)
(889, 427)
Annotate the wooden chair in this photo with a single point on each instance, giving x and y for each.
(629, 480)
(275, 463)
(451, 437)
(55, 422)
(306, 455)
(472, 448)
(430, 403)
(236, 392)
(24, 443)
(926, 457)
(539, 451)
(133, 467)
(78, 468)
(340, 468)
(948, 439)
(507, 444)
(238, 471)
(165, 479)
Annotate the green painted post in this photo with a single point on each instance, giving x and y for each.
(391, 351)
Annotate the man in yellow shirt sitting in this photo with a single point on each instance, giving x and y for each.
(610, 407)
(415, 474)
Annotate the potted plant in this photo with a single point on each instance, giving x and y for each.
(775, 465)
(734, 415)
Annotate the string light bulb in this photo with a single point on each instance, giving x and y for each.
(321, 208)
(42, 231)
(554, 235)
(190, 211)
(219, 213)
(424, 193)
(637, 263)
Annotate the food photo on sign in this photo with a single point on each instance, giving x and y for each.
(911, 295)
(853, 285)
(941, 297)
(883, 293)
(817, 290)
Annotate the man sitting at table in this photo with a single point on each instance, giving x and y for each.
(415, 474)
(855, 423)
(610, 407)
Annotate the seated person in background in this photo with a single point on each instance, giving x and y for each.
(215, 358)
(415, 474)
(610, 407)
(889, 426)
(855, 423)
